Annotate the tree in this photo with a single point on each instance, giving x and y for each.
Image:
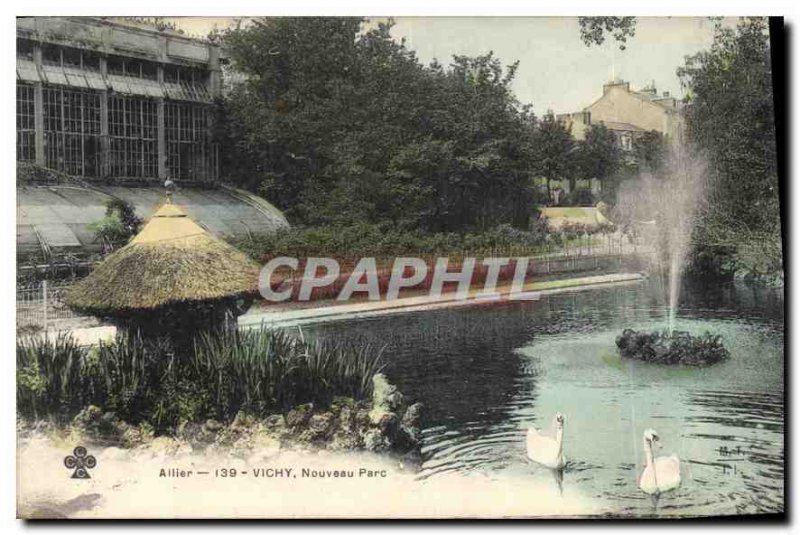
(555, 148)
(730, 117)
(336, 125)
(594, 29)
(598, 154)
(649, 150)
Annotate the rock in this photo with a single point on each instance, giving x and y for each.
(198, 435)
(300, 415)
(385, 394)
(166, 447)
(346, 441)
(212, 425)
(389, 424)
(375, 441)
(406, 440)
(413, 415)
(385, 397)
(243, 421)
(322, 424)
(347, 419)
(320, 428)
(88, 417)
(275, 422)
(134, 436)
(340, 402)
(263, 443)
(257, 441)
(362, 419)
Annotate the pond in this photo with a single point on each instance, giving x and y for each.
(487, 373)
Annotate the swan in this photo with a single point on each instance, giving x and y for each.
(661, 474)
(547, 448)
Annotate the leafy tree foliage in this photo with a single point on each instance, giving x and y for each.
(594, 29)
(649, 150)
(599, 155)
(555, 150)
(340, 125)
(731, 117)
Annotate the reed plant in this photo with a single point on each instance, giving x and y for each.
(259, 371)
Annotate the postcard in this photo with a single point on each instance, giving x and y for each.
(399, 268)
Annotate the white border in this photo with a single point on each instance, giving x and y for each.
(11, 9)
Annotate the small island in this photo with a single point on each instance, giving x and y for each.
(672, 347)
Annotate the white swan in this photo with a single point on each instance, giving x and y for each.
(661, 474)
(547, 448)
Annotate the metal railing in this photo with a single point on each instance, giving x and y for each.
(41, 305)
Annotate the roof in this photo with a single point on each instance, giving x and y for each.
(56, 220)
(171, 261)
(558, 216)
(627, 127)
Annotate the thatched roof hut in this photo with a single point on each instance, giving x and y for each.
(171, 263)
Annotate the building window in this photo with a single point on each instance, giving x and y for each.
(25, 49)
(625, 140)
(190, 154)
(51, 54)
(72, 131)
(133, 131)
(26, 129)
(135, 68)
(184, 75)
(90, 61)
(71, 57)
(115, 65)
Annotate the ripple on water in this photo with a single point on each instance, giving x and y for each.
(487, 374)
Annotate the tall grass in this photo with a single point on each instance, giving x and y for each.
(259, 371)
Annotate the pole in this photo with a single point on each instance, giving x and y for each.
(44, 302)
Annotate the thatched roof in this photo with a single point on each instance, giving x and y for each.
(172, 260)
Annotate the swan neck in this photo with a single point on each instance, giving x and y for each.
(648, 453)
(559, 437)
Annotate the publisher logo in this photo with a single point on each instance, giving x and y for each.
(80, 462)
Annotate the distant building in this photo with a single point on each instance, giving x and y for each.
(629, 114)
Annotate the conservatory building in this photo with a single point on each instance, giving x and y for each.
(117, 108)
(99, 99)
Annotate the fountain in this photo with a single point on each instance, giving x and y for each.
(670, 202)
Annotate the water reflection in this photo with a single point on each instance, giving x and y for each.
(487, 373)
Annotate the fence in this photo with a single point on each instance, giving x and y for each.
(41, 305)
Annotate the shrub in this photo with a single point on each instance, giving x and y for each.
(148, 381)
(118, 226)
(676, 347)
(580, 197)
(383, 241)
(30, 173)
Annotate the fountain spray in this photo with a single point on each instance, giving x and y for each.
(665, 205)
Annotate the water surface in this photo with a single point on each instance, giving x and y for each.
(487, 373)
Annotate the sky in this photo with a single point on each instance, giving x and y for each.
(557, 71)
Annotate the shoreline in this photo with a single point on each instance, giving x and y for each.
(530, 292)
(289, 315)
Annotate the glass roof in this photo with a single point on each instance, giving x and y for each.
(53, 219)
